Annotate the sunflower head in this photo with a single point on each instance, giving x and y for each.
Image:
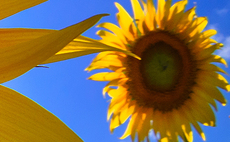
(173, 85)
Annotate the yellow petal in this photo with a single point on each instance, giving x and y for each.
(178, 121)
(111, 39)
(137, 10)
(207, 34)
(214, 79)
(10, 37)
(163, 12)
(110, 59)
(188, 133)
(151, 15)
(191, 115)
(160, 13)
(204, 37)
(117, 109)
(214, 58)
(10, 7)
(125, 21)
(106, 76)
(138, 14)
(166, 11)
(201, 110)
(208, 51)
(108, 85)
(23, 120)
(197, 26)
(193, 30)
(83, 46)
(145, 127)
(117, 105)
(130, 126)
(114, 93)
(158, 124)
(199, 130)
(18, 59)
(211, 67)
(185, 20)
(114, 123)
(176, 9)
(110, 64)
(212, 91)
(125, 114)
(117, 102)
(203, 95)
(175, 14)
(115, 29)
(137, 122)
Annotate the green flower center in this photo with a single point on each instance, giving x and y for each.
(160, 66)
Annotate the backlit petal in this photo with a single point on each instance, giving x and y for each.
(23, 120)
(18, 59)
(10, 37)
(125, 21)
(10, 7)
(106, 76)
(83, 46)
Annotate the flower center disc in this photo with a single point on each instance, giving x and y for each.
(160, 66)
(164, 78)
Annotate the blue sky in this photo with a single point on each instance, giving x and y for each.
(64, 90)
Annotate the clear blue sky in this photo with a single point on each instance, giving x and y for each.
(64, 90)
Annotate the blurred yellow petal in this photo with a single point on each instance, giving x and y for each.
(10, 7)
(104, 58)
(107, 87)
(211, 67)
(201, 39)
(137, 10)
(196, 27)
(212, 92)
(18, 59)
(129, 128)
(160, 13)
(185, 20)
(150, 20)
(215, 58)
(175, 14)
(208, 51)
(83, 46)
(106, 76)
(204, 96)
(107, 37)
(115, 29)
(138, 15)
(124, 20)
(10, 37)
(23, 120)
(214, 79)
(125, 114)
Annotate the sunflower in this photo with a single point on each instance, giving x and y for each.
(174, 85)
(21, 119)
